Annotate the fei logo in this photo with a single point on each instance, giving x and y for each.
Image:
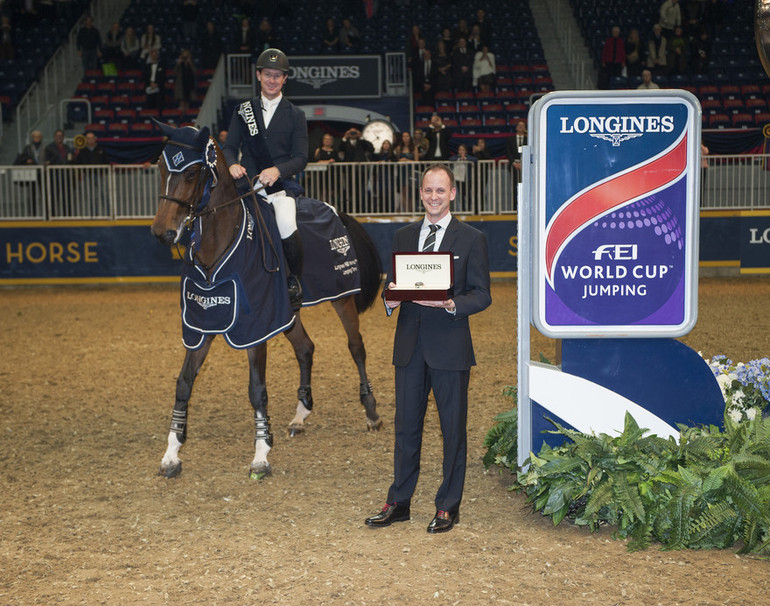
(616, 252)
(615, 197)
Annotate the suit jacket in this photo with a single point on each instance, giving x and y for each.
(443, 143)
(286, 139)
(419, 77)
(445, 338)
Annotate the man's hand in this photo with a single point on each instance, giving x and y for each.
(391, 304)
(237, 171)
(269, 176)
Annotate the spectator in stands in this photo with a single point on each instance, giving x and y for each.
(474, 40)
(210, 46)
(485, 27)
(129, 50)
(713, 16)
(89, 44)
(188, 13)
(513, 150)
(92, 190)
(670, 17)
(349, 37)
(354, 148)
(613, 59)
(700, 52)
(330, 43)
(461, 32)
(222, 137)
(155, 81)
(325, 153)
(266, 36)
(421, 141)
(413, 43)
(443, 68)
(384, 181)
(462, 167)
(60, 153)
(462, 67)
(656, 51)
(633, 54)
(446, 38)
(484, 70)
(480, 151)
(406, 151)
(33, 152)
(425, 76)
(184, 83)
(6, 39)
(438, 137)
(677, 59)
(112, 41)
(149, 42)
(245, 38)
(647, 83)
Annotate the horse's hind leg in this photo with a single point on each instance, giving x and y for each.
(346, 310)
(171, 465)
(263, 438)
(303, 350)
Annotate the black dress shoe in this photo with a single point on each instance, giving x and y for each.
(443, 521)
(392, 512)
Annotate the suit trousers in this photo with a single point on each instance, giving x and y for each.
(450, 390)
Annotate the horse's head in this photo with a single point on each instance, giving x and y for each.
(188, 171)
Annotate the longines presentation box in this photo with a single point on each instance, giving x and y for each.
(422, 276)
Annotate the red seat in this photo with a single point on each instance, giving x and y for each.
(104, 116)
(733, 105)
(450, 122)
(85, 89)
(750, 89)
(761, 119)
(120, 102)
(105, 88)
(141, 129)
(147, 113)
(495, 121)
(125, 115)
(743, 120)
(464, 95)
(491, 108)
(422, 124)
(117, 130)
(468, 108)
(719, 121)
(96, 128)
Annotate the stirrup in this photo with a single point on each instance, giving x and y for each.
(295, 292)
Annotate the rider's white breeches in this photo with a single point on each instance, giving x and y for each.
(285, 213)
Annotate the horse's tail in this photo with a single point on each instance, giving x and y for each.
(368, 262)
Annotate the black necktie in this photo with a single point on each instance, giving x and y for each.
(430, 241)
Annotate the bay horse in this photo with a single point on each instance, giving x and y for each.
(198, 193)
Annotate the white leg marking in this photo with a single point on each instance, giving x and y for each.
(171, 457)
(300, 416)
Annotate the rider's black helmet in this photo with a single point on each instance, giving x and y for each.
(273, 58)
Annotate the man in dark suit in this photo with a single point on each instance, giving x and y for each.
(513, 147)
(155, 82)
(282, 127)
(425, 74)
(438, 136)
(433, 350)
(462, 66)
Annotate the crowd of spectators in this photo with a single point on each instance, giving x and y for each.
(679, 42)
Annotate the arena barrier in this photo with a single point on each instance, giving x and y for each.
(91, 224)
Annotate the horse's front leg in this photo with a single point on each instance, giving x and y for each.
(348, 314)
(303, 350)
(171, 465)
(263, 438)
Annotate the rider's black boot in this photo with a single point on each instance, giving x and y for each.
(294, 253)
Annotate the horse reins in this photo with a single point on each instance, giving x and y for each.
(194, 214)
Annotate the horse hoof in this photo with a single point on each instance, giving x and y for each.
(373, 425)
(295, 430)
(171, 471)
(257, 473)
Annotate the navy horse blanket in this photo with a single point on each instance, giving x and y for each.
(246, 299)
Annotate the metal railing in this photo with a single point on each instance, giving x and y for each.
(376, 188)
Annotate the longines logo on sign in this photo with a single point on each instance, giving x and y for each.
(341, 77)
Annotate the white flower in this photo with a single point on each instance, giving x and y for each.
(734, 414)
(751, 413)
(737, 398)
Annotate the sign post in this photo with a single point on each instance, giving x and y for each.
(610, 231)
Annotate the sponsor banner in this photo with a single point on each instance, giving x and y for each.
(335, 77)
(107, 251)
(615, 200)
(755, 244)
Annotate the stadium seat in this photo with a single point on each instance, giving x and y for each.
(117, 130)
(743, 120)
(719, 121)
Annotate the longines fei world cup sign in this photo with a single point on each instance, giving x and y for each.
(616, 211)
(608, 264)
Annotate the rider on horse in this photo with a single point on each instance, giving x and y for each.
(269, 133)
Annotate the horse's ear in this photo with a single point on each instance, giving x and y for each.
(203, 136)
(167, 130)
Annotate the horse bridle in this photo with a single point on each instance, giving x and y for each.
(193, 209)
